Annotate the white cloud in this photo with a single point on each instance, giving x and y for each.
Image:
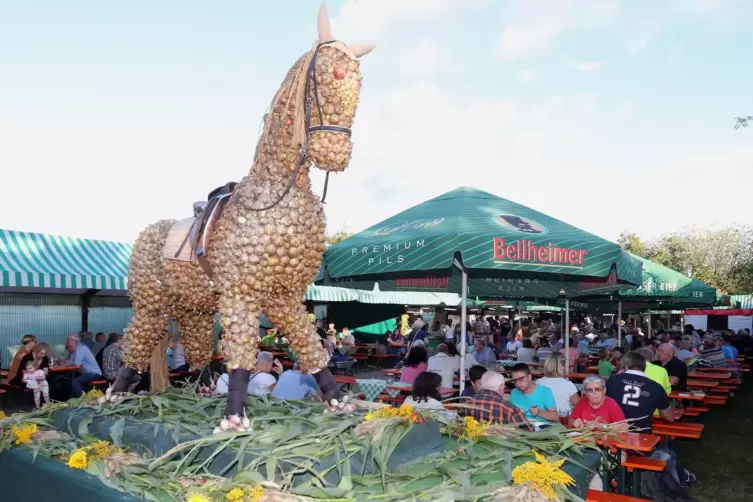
(521, 41)
(370, 21)
(423, 59)
(638, 43)
(527, 75)
(531, 25)
(585, 66)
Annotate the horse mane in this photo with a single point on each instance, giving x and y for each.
(292, 96)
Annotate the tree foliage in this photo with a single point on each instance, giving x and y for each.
(338, 236)
(719, 257)
(743, 121)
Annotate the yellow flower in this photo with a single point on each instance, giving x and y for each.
(102, 449)
(234, 495)
(197, 498)
(3, 415)
(24, 433)
(406, 410)
(256, 493)
(472, 429)
(542, 475)
(78, 459)
(369, 416)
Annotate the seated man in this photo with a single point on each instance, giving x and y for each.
(443, 364)
(536, 401)
(474, 375)
(82, 357)
(489, 404)
(638, 396)
(295, 385)
(262, 382)
(483, 354)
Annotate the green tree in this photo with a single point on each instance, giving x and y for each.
(719, 257)
(632, 242)
(341, 235)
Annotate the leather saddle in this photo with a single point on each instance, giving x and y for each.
(196, 231)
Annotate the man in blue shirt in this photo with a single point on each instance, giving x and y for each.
(483, 354)
(293, 384)
(82, 357)
(536, 401)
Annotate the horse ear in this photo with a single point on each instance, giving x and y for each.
(361, 50)
(325, 33)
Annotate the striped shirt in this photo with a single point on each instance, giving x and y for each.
(489, 406)
(715, 357)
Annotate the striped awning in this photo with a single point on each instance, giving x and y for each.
(326, 294)
(407, 298)
(742, 301)
(32, 260)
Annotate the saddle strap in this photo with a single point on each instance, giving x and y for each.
(204, 264)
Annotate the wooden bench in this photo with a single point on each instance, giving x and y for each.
(674, 432)
(595, 496)
(696, 409)
(734, 381)
(692, 413)
(94, 383)
(634, 462)
(716, 400)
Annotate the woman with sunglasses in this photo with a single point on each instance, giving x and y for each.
(597, 407)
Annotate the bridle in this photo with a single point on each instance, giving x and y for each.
(310, 84)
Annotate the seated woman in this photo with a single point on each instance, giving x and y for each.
(395, 342)
(415, 363)
(555, 377)
(39, 357)
(597, 407)
(526, 353)
(425, 392)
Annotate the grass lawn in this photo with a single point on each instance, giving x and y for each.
(723, 458)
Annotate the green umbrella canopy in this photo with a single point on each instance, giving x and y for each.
(662, 284)
(493, 236)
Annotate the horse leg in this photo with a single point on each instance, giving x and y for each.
(141, 336)
(290, 317)
(240, 320)
(196, 328)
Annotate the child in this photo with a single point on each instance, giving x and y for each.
(37, 380)
(605, 367)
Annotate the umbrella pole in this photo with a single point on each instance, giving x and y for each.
(463, 322)
(567, 334)
(619, 324)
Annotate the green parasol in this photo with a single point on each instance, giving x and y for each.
(491, 234)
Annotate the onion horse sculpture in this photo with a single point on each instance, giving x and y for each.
(265, 246)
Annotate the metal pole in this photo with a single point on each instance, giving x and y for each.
(567, 334)
(463, 321)
(619, 324)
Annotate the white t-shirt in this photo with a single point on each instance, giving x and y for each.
(470, 360)
(445, 366)
(258, 385)
(449, 334)
(562, 389)
(432, 403)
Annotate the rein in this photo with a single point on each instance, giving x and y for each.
(310, 78)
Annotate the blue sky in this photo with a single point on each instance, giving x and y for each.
(611, 115)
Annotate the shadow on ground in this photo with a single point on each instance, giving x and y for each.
(723, 458)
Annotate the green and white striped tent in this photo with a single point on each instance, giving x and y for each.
(31, 262)
(36, 261)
